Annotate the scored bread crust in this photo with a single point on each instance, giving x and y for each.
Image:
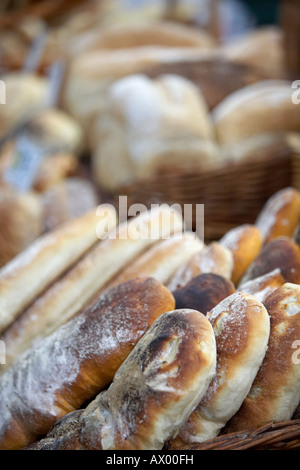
(78, 360)
(241, 326)
(275, 392)
(154, 390)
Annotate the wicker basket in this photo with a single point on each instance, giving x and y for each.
(284, 435)
(232, 195)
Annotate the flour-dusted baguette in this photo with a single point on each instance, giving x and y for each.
(162, 259)
(245, 242)
(280, 215)
(87, 278)
(33, 270)
(78, 360)
(241, 325)
(275, 392)
(282, 253)
(152, 393)
(213, 258)
(261, 287)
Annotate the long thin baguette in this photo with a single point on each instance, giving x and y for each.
(88, 278)
(78, 360)
(33, 270)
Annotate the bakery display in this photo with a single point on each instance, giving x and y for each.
(149, 226)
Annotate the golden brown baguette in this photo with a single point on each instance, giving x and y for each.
(261, 287)
(162, 259)
(280, 215)
(33, 270)
(83, 283)
(245, 242)
(241, 326)
(282, 253)
(275, 392)
(154, 390)
(78, 360)
(213, 258)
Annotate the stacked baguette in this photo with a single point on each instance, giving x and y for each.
(152, 342)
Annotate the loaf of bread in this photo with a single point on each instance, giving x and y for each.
(241, 326)
(162, 259)
(245, 243)
(84, 282)
(203, 292)
(151, 127)
(152, 393)
(261, 108)
(280, 215)
(261, 287)
(21, 218)
(213, 258)
(282, 253)
(275, 392)
(78, 360)
(42, 262)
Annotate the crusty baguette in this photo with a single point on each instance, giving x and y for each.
(213, 258)
(261, 287)
(78, 360)
(241, 325)
(203, 292)
(282, 253)
(33, 270)
(275, 392)
(245, 243)
(280, 215)
(152, 393)
(84, 282)
(162, 259)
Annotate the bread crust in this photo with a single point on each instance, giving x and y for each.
(35, 268)
(213, 258)
(203, 292)
(158, 384)
(262, 286)
(275, 392)
(282, 253)
(245, 242)
(280, 215)
(241, 326)
(78, 360)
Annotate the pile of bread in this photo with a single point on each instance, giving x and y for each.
(138, 335)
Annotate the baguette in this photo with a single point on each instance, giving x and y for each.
(89, 277)
(282, 253)
(213, 258)
(78, 360)
(275, 392)
(33, 270)
(203, 292)
(280, 215)
(241, 325)
(162, 259)
(157, 386)
(245, 243)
